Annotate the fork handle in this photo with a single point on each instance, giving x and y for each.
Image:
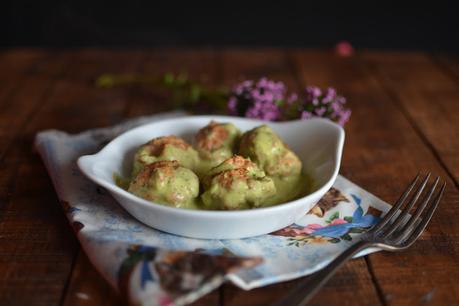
(301, 294)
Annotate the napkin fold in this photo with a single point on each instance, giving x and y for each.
(150, 267)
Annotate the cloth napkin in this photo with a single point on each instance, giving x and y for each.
(150, 267)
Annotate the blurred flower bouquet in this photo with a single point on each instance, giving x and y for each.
(269, 100)
(263, 99)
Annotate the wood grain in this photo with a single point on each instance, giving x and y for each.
(33, 213)
(350, 286)
(396, 98)
(87, 107)
(36, 245)
(87, 287)
(15, 64)
(449, 64)
(428, 96)
(36, 248)
(382, 152)
(197, 64)
(276, 65)
(21, 105)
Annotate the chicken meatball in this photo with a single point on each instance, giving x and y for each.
(166, 182)
(165, 148)
(268, 151)
(237, 183)
(215, 143)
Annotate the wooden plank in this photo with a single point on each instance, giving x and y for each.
(31, 210)
(76, 95)
(276, 65)
(141, 101)
(350, 286)
(87, 287)
(36, 244)
(33, 246)
(197, 64)
(14, 65)
(382, 153)
(241, 64)
(428, 96)
(449, 62)
(18, 107)
(77, 104)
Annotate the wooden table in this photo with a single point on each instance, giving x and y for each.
(405, 118)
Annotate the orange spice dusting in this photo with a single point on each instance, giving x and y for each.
(227, 178)
(239, 162)
(157, 145)
(212, 137)
(167, 168)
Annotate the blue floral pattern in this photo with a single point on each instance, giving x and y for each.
(335, 230)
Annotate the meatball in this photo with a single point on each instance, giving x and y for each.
(268, 151)
(215, 143)
(165, 148)
(237, 183)
(166, 182)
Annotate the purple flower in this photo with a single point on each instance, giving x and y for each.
(327, 104)
(306, 115)
(266, 99)
(232, 105)
(345, 115)
(292, 98)
(259, 99)
(320, 111)
(264, 111)
(329, 96)
(313, 92)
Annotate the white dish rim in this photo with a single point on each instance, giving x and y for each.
(86, 160)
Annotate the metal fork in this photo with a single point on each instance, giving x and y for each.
(395, 232)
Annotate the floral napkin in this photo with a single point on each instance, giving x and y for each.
(150, 267)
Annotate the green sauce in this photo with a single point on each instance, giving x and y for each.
(120, 181)
(266, 173)
(288, 189)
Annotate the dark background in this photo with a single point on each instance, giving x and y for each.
(433, 26)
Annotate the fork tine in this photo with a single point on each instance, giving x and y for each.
(401, 217)
(396, 206)
(415, 217)
(425, 220)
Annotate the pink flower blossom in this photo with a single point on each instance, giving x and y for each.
(314, 226)
(344, 49)
(338, 221)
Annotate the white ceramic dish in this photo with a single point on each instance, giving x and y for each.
(318, 143)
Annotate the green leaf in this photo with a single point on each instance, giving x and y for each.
(346, 237)
(334, 216)
(195, 93)
(348, 219)
(169, 78)
(105, 81)
(335, 240)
